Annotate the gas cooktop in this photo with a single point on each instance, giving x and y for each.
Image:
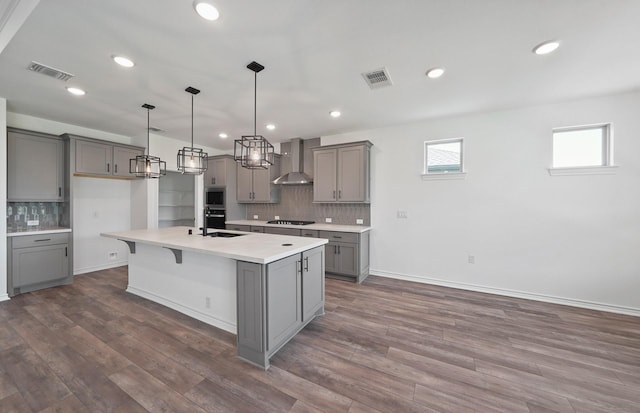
(290, 222)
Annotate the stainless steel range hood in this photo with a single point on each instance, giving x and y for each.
(296, 176)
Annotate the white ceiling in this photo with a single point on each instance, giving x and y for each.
(314, 52)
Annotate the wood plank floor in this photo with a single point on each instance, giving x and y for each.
(383, 346)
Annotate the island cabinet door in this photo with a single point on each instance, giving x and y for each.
(312, 283)
(283, 301)
(250, 284)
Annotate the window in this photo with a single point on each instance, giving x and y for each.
(582, 146)
(443, 157)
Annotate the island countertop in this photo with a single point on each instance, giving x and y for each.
(250, 247)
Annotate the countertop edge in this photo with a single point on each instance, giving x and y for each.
(316, 227)
(42, 232)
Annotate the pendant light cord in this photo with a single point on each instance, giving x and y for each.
(255, 103)
(148, 126)
(191, 121)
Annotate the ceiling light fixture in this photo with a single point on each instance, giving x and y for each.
(223, 135)
(546, 47)
(254, 151)
(435, 72)
(123, 61)
(271, 126)
(192, 161)
(335, 113)
(147, 166)
(76, 91)
(206, 10)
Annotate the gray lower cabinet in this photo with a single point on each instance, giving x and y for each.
(282, 231)
(235, 227)
(347, 255)
(277, 300)
(38, 261)
(35, 165)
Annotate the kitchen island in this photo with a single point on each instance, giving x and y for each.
(262, 287)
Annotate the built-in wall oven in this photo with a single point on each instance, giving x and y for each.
(214, 198)
(215, 218)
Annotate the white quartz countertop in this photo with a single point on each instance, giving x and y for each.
(251, 247)
(317, 227)
(39, 232)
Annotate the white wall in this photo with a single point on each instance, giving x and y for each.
(3, 196)
(568, 239)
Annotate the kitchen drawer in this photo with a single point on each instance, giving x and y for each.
(311, 233)
(257, 229)
(282, 231)
(25, 241)
(246, 228)
(351, 237)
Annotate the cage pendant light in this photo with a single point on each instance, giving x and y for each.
(253, 151)
(192, 161)
(147, 166)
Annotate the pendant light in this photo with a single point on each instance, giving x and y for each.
(253, 151)
(192, 161)
(147, 166)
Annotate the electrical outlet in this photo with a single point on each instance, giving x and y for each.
(471, 259)
(402, 214)
(113, 255)
(327, 220)
(255, 217)
(207, 302)
(359, 221)
(32, 222)
(276, 217)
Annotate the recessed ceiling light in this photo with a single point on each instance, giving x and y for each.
(76, 91)
(123, 61)
(271, 126)
(435, 73)
(335, 113)
(206, 10)
(223, 135)
(546, 47)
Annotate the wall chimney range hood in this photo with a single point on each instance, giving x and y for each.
(296, 176)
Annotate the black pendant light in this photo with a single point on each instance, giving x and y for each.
(147, 166)
(253, 151)
(192, 161)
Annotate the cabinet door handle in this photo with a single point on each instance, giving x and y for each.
(334, 194)
(213, 180)
(306, 264)
(42, 240)
(299, 266)
(339, 252)
(335, 249)
(107, 167)
(60, 191)
(339, 193)
(65, 251)
(115, 168)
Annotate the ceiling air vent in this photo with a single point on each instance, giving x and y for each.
(154, 129)
(377, 78)
(49, 71)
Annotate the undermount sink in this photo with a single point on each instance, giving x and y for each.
(220, 234)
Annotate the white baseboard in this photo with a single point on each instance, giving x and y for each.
(4, 297)
(191, 312)
(113, 264)
(512, 293)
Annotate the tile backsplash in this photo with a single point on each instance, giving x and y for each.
(296, 203)
(34, 216)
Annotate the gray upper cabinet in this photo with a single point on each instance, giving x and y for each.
(342, 173)
(217, 169)
(36, 166)
(121, 157)
(102, 159)
(255, 185)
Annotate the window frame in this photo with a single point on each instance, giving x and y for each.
(426, 175)
(607, 166)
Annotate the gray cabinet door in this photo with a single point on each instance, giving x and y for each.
(324, 175)
(93, 158)
(283, 308)
(261, 185)
(36, 265)
(331, 262)
(216, 173)
(250, 285)
(351, 174)
(121, 158)
(244, 184)
(312, 282)
(347, 258)
(35, 167)
(282, 231)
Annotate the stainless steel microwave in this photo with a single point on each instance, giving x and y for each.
(215, 198)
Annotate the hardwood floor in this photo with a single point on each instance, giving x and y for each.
(383, 346)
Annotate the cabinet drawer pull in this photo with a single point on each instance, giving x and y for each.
(337, 236)
(44, 239)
